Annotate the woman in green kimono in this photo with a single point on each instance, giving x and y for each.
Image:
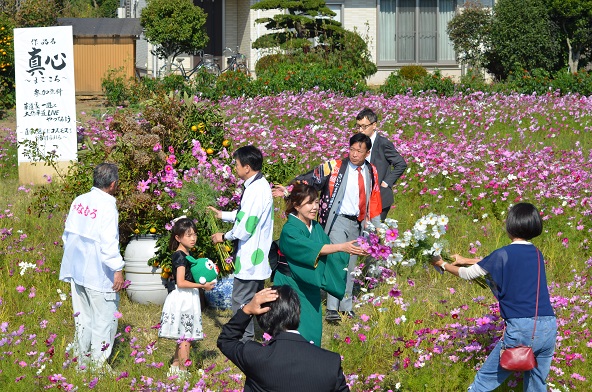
(313, 262)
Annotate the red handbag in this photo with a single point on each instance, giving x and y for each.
(518, 359)
(521, 358)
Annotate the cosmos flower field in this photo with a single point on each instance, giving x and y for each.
(470, 157)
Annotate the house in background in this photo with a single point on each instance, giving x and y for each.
(101, 44)
(399, 32)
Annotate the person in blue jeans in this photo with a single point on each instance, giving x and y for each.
(512, 275)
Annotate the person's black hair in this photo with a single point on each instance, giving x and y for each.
(361, 138)
(367, 113)
(104, 175)
(180, 227)
(524, 221)
(300, 192)
(249, 155)
(284, 312)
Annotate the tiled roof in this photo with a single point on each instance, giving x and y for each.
(103, 27)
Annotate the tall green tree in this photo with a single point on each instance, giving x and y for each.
(174, 27)
(298, 22)
(523, 35)
(470, 32)
(574, 17)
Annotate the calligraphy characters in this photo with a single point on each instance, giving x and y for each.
(36, 63)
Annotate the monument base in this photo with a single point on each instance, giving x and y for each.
(34, 172)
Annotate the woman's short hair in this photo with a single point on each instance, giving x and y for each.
(524, 221)
(284, 312)
(300, 192)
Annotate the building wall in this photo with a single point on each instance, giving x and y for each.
(94, 56)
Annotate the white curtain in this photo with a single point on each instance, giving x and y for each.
(387, 22)
(407, 26)
(445, 49)
(406, 32)
(428, 26)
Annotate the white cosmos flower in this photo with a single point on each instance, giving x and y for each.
(431, 219)
(442, 220)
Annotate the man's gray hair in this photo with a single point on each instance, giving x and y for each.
(104, 174)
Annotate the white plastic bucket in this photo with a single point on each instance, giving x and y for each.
(146, 284)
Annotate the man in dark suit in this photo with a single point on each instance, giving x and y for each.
(287, 362)
(383, 154)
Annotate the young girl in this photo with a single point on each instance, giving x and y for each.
(181, 312)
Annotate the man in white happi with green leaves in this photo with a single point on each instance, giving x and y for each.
(252, 230)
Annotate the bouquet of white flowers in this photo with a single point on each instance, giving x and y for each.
(416, 246)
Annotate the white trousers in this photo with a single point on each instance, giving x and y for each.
(96, 325)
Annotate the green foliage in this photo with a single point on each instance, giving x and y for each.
(578, 82)
(36, 13)
(528, 82)
(575, 20)
(469, 32)
(174, 26)
(522, 35)
(233, 84)
(7, 87)
(301, 24)
(412, 72)
(117, 88)
(303, 20)
(349, 50)
(269, 62)
(434, 83)
(88, 8)
(302, 77)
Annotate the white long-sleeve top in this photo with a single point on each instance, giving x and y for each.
(91, 242)
(253, 227)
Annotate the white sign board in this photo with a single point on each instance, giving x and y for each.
(45, 95)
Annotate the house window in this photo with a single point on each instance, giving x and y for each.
(414, 31)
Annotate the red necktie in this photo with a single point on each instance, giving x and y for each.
(362, 192)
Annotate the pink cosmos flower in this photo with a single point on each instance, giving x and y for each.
(143, 186)
(20, 289)
(365, 317)
(117, 315)
(391, 235)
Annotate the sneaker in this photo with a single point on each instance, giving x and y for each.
(332, 315)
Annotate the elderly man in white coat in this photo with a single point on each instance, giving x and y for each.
(92, 263)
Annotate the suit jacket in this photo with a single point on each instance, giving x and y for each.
(287, 363)
(390, 166)
(331, 179)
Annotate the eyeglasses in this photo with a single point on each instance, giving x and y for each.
(363, 127)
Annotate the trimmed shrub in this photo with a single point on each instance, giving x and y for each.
(269, 62)
(430, 83)
(413, 72)
(302, 77)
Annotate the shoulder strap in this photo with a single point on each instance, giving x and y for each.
(536, 311)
